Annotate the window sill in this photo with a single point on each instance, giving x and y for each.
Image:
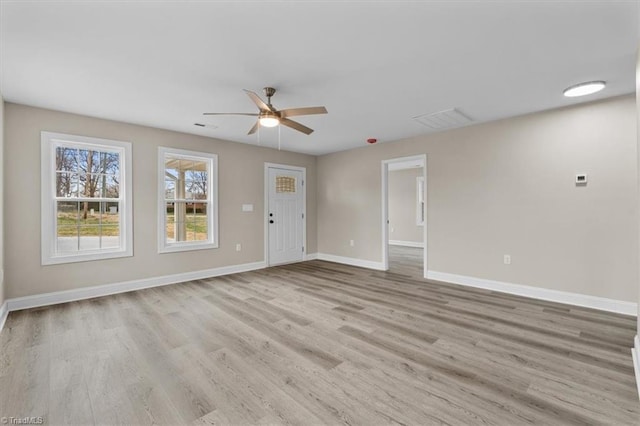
(173, 248)
(87, 257)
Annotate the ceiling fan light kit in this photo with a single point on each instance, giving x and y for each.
(268, 116)
(269, 120)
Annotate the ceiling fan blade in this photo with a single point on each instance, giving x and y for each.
(292, 112)
(253, 114)
(259, 102)
(254, 128)
(296, 126)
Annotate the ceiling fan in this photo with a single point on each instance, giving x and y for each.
(271, 117)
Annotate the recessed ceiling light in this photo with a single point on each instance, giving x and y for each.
(583, 89)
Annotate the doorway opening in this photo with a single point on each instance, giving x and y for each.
(404, 215)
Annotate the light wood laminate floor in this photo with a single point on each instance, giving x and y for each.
(318, 343)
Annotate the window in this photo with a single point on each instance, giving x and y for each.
(285, 184)
(86, 198)
(420, 201)
(187, 200)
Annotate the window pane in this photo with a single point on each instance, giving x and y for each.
(200, 222)
(67, 239)
(197, 186)
(285, 184)
(89, 242)
(109, 163)
(180, 214)
(169, 189)
(111, 186)
(66, 184)
(65, 159)
(110, 236)
(88, 161)
(67, 221)
(83, 186)
(67, 213)
(90, 185)
(170, 231)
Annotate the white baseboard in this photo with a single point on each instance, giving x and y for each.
(635, 354)
(417, 244)
(34, 301)
(351, 261)
(311, 256)
(4, 312)
(601, 303)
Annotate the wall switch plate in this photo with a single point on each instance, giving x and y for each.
(238, 247)
(507, 259)
(352, 243)
(247, 207)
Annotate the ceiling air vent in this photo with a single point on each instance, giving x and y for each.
(446, 119)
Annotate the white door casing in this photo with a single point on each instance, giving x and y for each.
(285, 214)
(385, 209)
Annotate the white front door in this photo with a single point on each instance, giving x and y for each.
(285, 215)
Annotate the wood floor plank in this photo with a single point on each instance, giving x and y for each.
(319, 343)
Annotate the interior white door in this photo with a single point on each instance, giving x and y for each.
(285, 216)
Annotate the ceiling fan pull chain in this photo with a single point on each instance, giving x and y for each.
(279, 127)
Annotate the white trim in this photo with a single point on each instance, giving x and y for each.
(385, 209)
(312, 256)
(384, 189)
(212, 205)
(420, 209)
(369, 264)
(267, 166)
(4, 312)
(46, 299)
(48, 142)
(595, 302)
(406, 243)
(635, 354)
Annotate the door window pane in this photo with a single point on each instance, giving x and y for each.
(285, 184)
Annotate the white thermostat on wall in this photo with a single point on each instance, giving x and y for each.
(581, 179)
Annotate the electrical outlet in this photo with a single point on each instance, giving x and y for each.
(392, 229)
(507, 259)
(238, 247)
(352, 243)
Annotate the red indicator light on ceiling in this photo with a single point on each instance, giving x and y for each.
(372, 140)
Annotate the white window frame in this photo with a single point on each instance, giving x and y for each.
(212, 196)
(420, 202)
(49, 142)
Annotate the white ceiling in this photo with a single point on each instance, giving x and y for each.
(374, 65)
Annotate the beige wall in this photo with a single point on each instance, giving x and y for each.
(402, 205)
(241, 180)
(507, 187)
